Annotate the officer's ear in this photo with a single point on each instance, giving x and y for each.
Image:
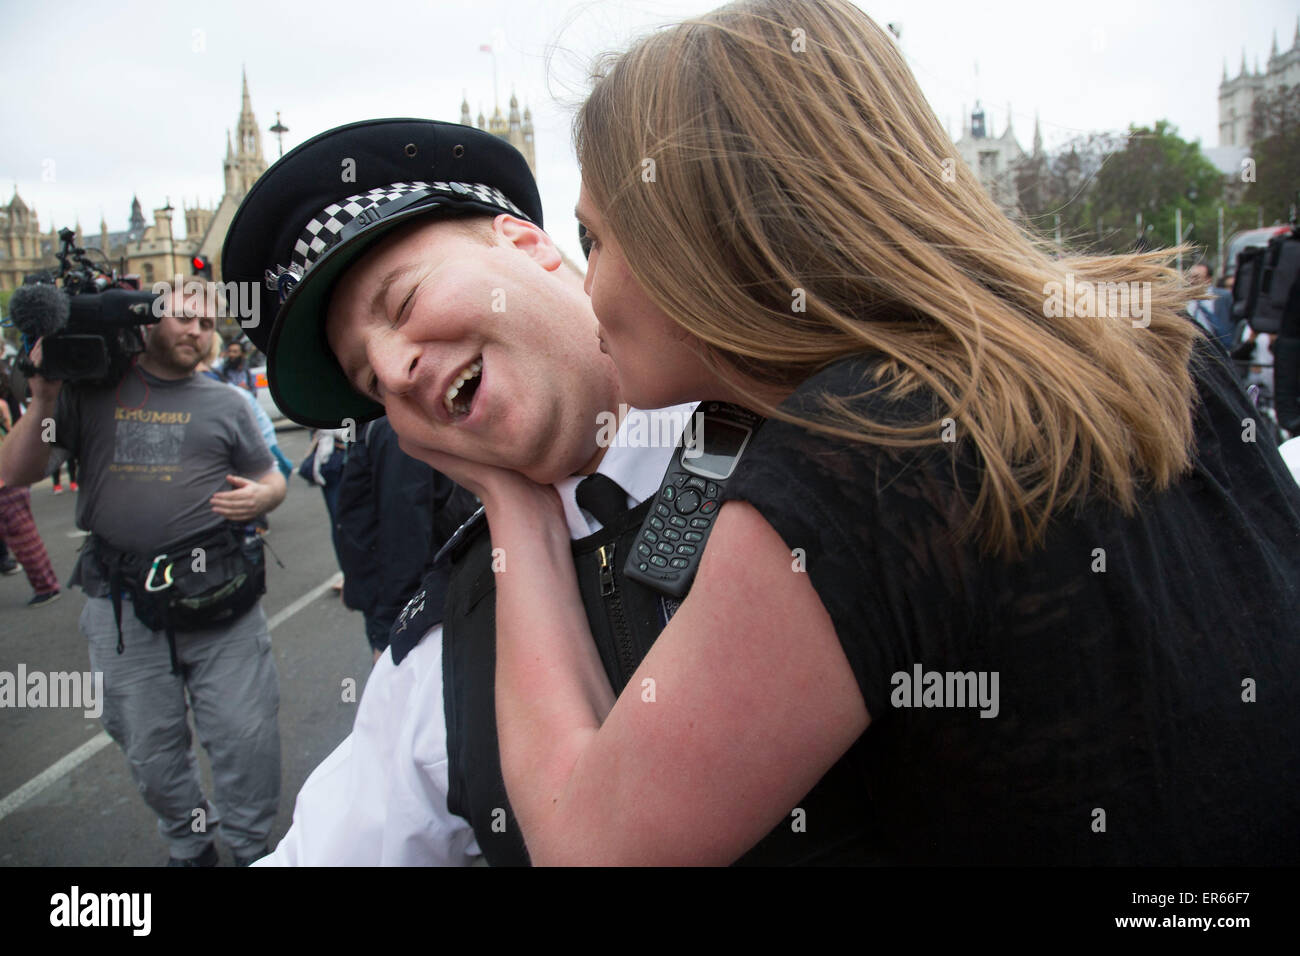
(528, 238)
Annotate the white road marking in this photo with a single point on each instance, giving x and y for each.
(69, 762)
(61, 767)
(303, 601)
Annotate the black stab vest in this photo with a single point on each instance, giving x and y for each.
(836, 825)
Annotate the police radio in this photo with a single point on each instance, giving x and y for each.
(672, 536)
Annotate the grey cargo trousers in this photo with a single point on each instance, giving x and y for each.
(234, 693)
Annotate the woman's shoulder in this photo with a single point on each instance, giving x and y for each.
(853, 484)
(838, 398)
(863, 384)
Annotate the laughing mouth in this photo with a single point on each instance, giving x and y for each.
(459, 397)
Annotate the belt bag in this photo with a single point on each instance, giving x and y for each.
(206, 580)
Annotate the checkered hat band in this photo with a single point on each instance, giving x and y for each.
(325, 228)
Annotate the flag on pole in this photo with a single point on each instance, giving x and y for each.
(485, 47)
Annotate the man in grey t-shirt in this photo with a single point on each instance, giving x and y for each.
(166, 454)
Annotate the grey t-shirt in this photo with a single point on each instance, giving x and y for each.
(151, 454)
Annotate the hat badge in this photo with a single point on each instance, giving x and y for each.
(282, 280)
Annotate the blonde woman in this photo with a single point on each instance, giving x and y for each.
(999, 581)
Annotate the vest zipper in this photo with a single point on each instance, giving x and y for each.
(609, 591)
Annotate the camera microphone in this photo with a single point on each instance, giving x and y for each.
(39, 310)
(113, 308)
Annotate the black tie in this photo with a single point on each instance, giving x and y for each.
(602, 497)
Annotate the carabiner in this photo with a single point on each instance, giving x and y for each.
(167, 576)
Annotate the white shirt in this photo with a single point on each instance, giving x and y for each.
(381, 797)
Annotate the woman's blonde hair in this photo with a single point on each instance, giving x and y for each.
(782, 190)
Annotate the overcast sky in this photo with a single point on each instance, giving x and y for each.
(136, 97)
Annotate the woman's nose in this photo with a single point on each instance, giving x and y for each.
(395, 360)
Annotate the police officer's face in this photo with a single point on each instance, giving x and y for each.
(478, 342)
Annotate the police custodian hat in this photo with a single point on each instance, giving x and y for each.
(321, 206)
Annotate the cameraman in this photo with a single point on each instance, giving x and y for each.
(157, 450)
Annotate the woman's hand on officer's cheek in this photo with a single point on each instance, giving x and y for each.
(499, 489)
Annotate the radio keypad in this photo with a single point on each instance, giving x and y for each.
(662, 545)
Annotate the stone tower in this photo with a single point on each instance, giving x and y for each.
(515, 129)
(1237, 94)
(245, 164)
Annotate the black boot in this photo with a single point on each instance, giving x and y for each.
(207, 858)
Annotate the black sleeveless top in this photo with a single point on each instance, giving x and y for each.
(1147, 704)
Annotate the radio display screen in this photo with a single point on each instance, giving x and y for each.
(722, 443)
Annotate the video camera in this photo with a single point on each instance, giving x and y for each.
(87, 318)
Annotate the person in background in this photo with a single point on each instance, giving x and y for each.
(264, 424)
(1214, 314)
(233, 370)
(21, 547)
(72, 475)
(8, 564)
(170, 457)
(392, 515)
(323, 467)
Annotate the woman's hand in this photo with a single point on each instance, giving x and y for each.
(503, 492)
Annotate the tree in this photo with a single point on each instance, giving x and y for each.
(1061, 184)
(1275, 131)
(1158, 173)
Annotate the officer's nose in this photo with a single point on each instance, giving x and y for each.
(396, 362)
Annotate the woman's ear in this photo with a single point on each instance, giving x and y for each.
(528, 238)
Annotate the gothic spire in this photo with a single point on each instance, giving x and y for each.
(249, 136)
(137, 216)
